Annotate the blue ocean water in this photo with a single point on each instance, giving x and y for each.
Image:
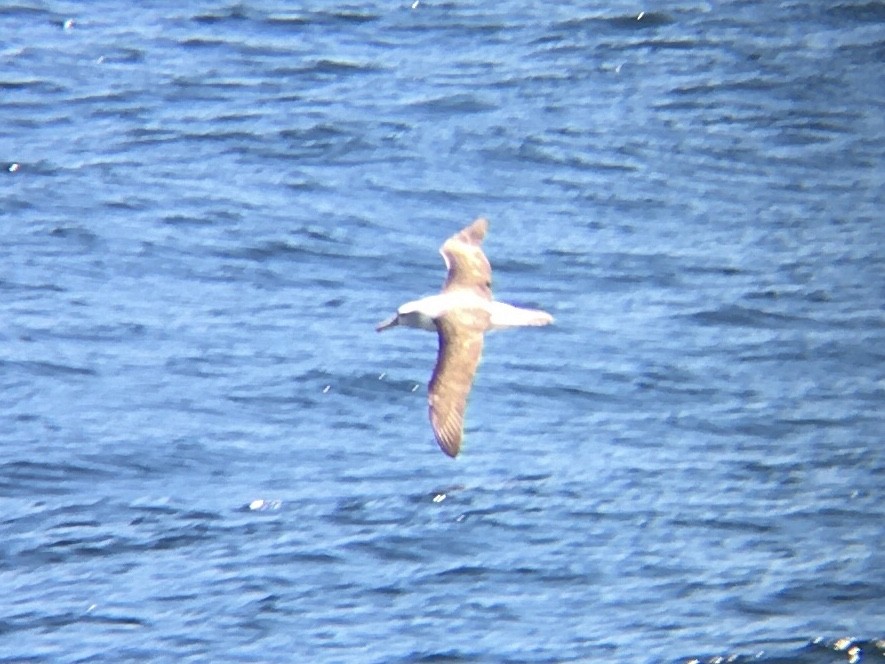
(206, 452)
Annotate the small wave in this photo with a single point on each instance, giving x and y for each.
(33, 473)
(821, 650)
(324, 19)
(636, 21)
(46, 368)
(862, 12)
(455, 103)
(738, 316)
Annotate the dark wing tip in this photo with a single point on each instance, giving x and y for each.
(448, 443)
(447, 422)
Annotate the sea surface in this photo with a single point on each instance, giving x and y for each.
(207, 454)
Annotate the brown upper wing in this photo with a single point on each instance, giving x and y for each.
(467, 264)
(460, 347)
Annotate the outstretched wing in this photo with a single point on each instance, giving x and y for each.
(460, 346)
(467, 265)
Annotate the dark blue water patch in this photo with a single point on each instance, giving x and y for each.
(456, 23)
(454, 103)
(88, 332)
(860, 53)
(574, 393)
(374, 387)
(857, 12)
(151, 135)
(184, 220)
(103, 104)
(48, 478)
(818, 589)
(688, 44)
(223, 137)
(207, 365)
(20, 288)
(37, 87)
(47, 368)
(121, 55)
(595, 25)
(285, 406)
(198, 43)
(233, 13)
(326, 69)
(390, 548)
(321, 143)
(79, 236)
(25, 10)
(187, 89)
(560, 154)
(56, 621)
(675, 382)
(325, 18)
(448, 656)
(822, 124)
(305, 244)
(740, 316)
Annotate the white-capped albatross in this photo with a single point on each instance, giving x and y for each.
(460, 315)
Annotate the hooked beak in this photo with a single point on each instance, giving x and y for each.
(393, 321)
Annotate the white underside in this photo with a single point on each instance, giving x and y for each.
(420, 313)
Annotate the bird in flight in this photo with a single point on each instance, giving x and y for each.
(460, 315)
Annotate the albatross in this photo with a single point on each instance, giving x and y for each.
(460, 315)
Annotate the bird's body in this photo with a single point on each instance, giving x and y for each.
(422, 314)
(460, 315)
